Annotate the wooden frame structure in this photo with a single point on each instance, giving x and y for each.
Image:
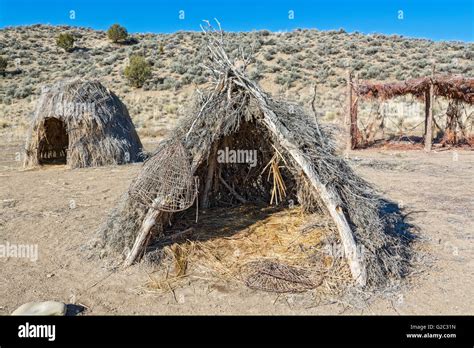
(424, 88)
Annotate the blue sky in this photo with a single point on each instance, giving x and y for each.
(433, 19)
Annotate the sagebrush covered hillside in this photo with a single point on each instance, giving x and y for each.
(286, 63)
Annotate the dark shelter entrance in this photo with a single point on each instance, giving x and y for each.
(53, 143)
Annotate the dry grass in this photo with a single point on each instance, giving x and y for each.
(227, 240)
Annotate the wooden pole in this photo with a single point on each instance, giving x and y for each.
(142, 237)
(429, 100)
(349, 112)
(354, 128)
(211, 169)
(231, 190)
(427, 113)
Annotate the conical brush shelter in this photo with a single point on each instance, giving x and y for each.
(235, 113)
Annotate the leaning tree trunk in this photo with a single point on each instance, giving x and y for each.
(328, 196)
(143, 236)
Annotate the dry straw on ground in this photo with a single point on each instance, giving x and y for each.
(270, 249)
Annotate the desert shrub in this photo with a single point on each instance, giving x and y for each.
(400, 75)
(159, 64)
(65, 41)
(287, 78)
(300, 57)
(179, 67)
(111, 59)
(280, 61)
(309, 65)
(371, 51)
(270, 42)
(358, 65)
(186, 79)
(281, 80)
(255, 74)
(468, 54)
(372, 73)
(138, 71)
(272, 51)
(3, 65)
(274, 69)
(444, 59)
(195, 69)
(168, 83)
(171, 108)
(289, 48)
(453, 68)
(422, 63)
(117, 33)
(268, 56)
(351, 46)
(22, 92)
(199, 80)
(321, 74)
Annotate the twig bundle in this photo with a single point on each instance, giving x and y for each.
(279, 187)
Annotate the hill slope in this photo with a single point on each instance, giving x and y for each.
(285, 63)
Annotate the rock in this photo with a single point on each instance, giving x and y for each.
(41, 308)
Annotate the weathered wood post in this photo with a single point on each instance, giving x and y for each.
(429, 100)
(211, 170)
(354, 127)
(349, 112)
(351, 116)
(427, 112)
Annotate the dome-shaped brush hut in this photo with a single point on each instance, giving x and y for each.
(82, 124)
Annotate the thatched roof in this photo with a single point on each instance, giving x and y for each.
(236, 113)
(451, 87)
(98, 128)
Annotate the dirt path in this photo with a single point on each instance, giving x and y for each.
(60, 209)
(437, 190)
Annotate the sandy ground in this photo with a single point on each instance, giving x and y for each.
(60, 209)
